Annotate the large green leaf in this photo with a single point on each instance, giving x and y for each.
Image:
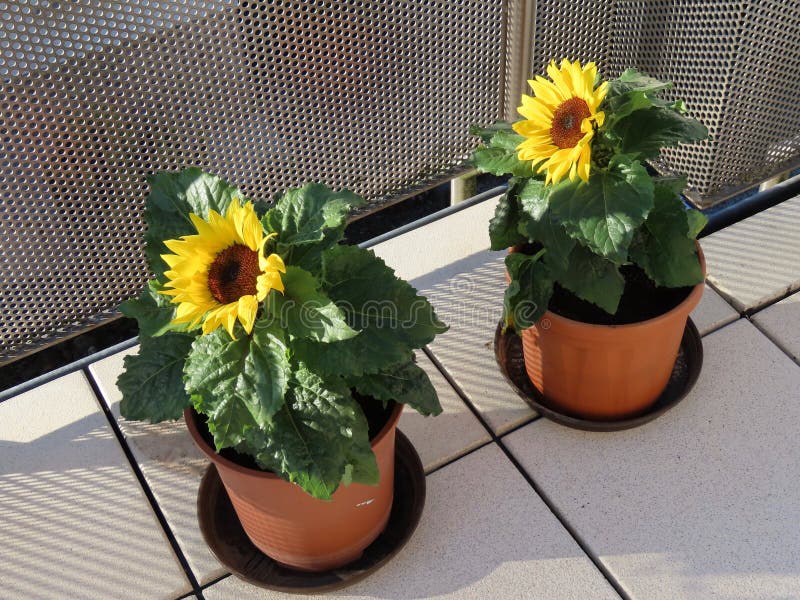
(152, 311)
(594, 279)
(152, 382)
(406, 384)
(499, 154)
(630, 92)
(305, 312)
(538, 224)
(318, 432)
(527, 296)
(172, 197)
(239, 384)
(645, 132)
(391, 318)
(503, 226)
(604, 214)
(309, 220)
(487, 133)
(665, 248)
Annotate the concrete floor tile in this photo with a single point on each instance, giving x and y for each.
(172, 466)
(468, 296)
(780, 322)
(703, 502)
(755, 261)
(484, 534)
(440, 243)
(75, 521)
(712, 312)
(447, 436)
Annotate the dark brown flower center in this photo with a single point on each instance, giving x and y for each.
(566, 128)
(233, 274)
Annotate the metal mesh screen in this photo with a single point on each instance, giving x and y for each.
(734, 62)
(373, 96)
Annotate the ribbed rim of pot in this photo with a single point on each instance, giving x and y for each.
(692, 300)
(188, 416)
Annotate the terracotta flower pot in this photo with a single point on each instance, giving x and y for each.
(606, 372)
(298, 530)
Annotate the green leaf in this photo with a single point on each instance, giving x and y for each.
(308, 221)
(632, 80)
(697, 222)
(392, 319)
(604, 214)
(487, 133)
(499, 154)
(318, 432)
(152, 311)
(645, 132)
(406, 384)
(152, 381)
(538, 225)
(239, 384)
(172, 197)
(499, 161)
(593, 279)
(305, 312)
(503, 226)
(665, 248)
(527, 296)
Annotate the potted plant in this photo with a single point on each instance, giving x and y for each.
(289, 355)
(605, 267)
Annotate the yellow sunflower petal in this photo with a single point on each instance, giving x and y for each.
(246, 312)
(546, 91)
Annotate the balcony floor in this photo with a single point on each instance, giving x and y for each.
(703, 502)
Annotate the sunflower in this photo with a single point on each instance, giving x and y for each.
(560, 120)
(221, 274)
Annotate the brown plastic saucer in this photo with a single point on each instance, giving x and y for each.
(228, 542)
(508, 351)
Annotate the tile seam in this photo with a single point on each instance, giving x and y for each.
(772, 339)
(139, 475)
(607, 575)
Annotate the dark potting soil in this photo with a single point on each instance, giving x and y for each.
(641, 300)
(376, 413)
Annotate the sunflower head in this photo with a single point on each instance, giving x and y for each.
(559, 120)
(221, 274)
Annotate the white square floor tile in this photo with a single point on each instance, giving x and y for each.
(74, 521)
(448, 435)
(172, 466)
(712, 312)
(439, 243)
(468, 296)
(484, 533)
(755, 261)
(703, 502)
(781, 322)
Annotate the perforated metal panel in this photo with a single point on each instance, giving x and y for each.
(735, 63)
(373, 96)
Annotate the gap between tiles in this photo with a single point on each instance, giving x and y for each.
(775, 342)
(196, 589)
(537, 490)
(216, 581)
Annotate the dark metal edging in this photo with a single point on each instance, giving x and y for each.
(78, 365)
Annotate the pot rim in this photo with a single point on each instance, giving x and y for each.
(690, 302)
(188, 417)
